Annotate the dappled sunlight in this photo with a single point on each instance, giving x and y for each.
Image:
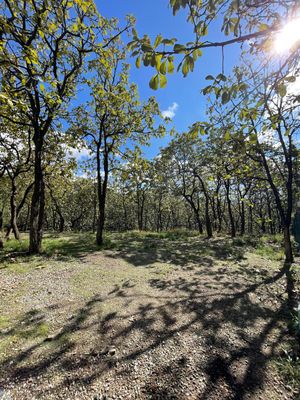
(211, 321)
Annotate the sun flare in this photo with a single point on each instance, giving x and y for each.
(288, 36)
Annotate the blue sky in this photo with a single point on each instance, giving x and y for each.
(154, 17)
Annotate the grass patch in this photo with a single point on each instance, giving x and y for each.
(270, 252)
(36, 331)
(289, 368)
(16, 246)
(4, 322)
(266, 246)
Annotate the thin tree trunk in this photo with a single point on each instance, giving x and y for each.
(101, 220)
(38, 200)
(18, 210)
(243, 222)
(61, 224)
(199, 223)
(94, 209)
(13, 212)
(207, 218)
(1, 225)
(231, 219)
(102, 191)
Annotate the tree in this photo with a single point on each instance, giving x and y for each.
(16, 163)
(263, 119)
(42, 52)
(115, 119)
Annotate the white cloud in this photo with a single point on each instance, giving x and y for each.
(171, 111)
(294, 87)
(80, 154)
(269, 137)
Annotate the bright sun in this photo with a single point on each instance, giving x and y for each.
(288, 36)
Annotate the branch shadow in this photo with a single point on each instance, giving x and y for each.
(222, 336)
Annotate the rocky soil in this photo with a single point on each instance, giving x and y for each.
(155, 323)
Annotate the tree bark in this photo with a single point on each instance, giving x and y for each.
(13, 212)
(38, 199)
(1, 225)
(243, 222)
(18, 210)
(231, 219)
(102, 190)
(288, 249)
(101, 221)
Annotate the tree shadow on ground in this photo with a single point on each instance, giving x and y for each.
(197, 251)
(61, 247)
(137, 249)
(212, 341)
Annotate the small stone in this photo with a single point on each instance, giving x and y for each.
(112, 351)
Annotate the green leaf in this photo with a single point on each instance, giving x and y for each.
(147, 60)
(207, 90)
(287, 132)
(134, 33)
(191, 63)
(138, 62)
(290, 79)
(163, 81)
(154, 82)
(221, 77)
(158, 41)
(185, 68)
(163, 68)
(253, 138)
(281, 90)
(263, 27)
(179, 48)
(146, 48)
(210, 78)
(4, 97)
(243, 86)
(225, 97)
(170, 67)
(227, 136)
(204, 31)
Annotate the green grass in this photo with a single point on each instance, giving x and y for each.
(180, 245)
(289, 368)
(4, 322)
(73, 244)
(35, 331)
(14, 245)
(21, 329)
(270, 252)
(266, 246)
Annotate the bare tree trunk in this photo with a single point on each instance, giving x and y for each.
(230, 213)
(13, 212)
(38, 199)
(94, 209)
(243, 222)
(1, 226)
(207, 218)
(61, 224)
(102, 191)
(100, 223)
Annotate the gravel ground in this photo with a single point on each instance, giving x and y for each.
(143, 325)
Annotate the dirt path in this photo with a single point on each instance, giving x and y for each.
(157, 323)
